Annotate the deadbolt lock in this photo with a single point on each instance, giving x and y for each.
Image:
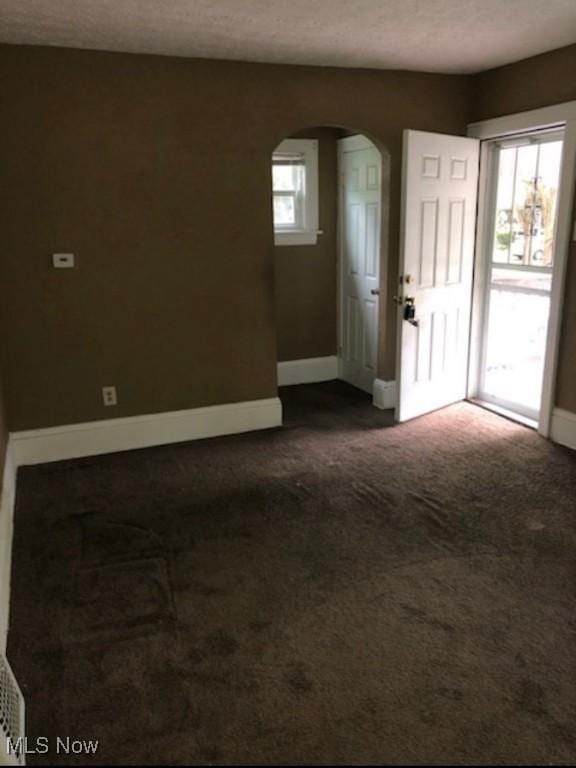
(410, 310)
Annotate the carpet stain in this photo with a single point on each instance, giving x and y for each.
(422, 616)
(221, 643)
(454, 694)
(531, 698)
(298, 680)
(259, 626)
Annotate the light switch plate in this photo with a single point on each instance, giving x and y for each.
(63, 260)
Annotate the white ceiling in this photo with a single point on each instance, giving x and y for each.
(431, 35)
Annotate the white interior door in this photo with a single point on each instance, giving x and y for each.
(440, 178)
(360, 219)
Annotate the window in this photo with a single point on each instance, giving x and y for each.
(295, 191)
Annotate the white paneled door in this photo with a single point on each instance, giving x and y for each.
(440, 177)
(360, 216)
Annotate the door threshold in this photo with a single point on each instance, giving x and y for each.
(506, 412)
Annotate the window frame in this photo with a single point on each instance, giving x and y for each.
(307, 233)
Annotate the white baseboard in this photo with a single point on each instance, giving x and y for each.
(76, 440)
(6, 531)
(384, 394)
(307, 371)
(563, 428)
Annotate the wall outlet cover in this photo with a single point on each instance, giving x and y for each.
(63, 260)
(109, 396)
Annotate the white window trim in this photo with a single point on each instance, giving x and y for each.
(555, 116)
(308, 235)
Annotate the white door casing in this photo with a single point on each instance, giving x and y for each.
(439, 190)
(360, 192)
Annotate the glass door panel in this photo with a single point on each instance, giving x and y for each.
(517, 301)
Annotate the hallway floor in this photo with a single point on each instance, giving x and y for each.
(341, 590)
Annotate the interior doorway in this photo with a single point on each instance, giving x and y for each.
(523, 177)
(330, 192)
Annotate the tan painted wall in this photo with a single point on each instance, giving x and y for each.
(5, 532)
(306, 284)
(530, 84)
(156, 173)
(3, 436)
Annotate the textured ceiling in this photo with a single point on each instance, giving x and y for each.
(430, 35)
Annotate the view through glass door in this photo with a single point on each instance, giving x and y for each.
(526, 175)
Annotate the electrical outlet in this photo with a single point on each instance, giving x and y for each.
(63, 260)
(109, 396)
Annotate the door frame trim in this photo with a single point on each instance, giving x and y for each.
(555, 116)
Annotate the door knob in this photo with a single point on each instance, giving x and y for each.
(375, 291)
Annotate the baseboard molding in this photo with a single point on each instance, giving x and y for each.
(91, 439)
(384, 394)
(7, 501)
(563, 428)
(307, 371)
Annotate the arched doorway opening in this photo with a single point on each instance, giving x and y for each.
(330, 200)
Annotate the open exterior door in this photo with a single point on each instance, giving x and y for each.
(440, 179)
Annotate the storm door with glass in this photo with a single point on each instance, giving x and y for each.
(522, 210)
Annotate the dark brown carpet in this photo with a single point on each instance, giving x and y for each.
(338, 591)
